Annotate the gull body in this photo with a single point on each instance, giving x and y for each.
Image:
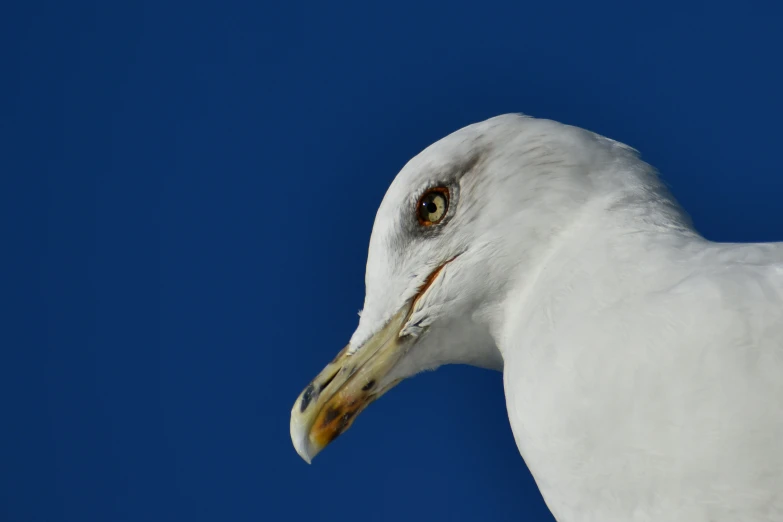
(642, 364)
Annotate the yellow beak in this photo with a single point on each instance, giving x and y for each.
(354, 379)
(329, 404)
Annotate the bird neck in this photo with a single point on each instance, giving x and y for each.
(614, 247)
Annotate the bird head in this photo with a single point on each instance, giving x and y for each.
(460, 225)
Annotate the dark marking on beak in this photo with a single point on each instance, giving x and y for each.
(344, 420)
(307, 396)
(369, 386)
(331, 414)
(334, 435)
(342, 424)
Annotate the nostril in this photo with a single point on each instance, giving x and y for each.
(327, 382)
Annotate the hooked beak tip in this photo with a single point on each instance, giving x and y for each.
(300, 438)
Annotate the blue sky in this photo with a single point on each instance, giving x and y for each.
(190, 191)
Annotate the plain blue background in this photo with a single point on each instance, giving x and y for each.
(188, 192)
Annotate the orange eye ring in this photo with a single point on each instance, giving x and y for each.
(432, 206)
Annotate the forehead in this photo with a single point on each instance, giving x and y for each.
(446, 161)
(396, 235)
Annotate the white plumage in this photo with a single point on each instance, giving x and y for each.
(643, 364)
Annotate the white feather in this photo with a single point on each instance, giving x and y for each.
(643, 364)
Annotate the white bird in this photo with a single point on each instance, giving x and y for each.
(642, 363)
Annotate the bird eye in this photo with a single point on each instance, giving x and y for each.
(432, 206)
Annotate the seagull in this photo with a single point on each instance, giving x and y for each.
(642, 364)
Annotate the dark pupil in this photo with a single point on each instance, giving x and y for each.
(431, 207)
